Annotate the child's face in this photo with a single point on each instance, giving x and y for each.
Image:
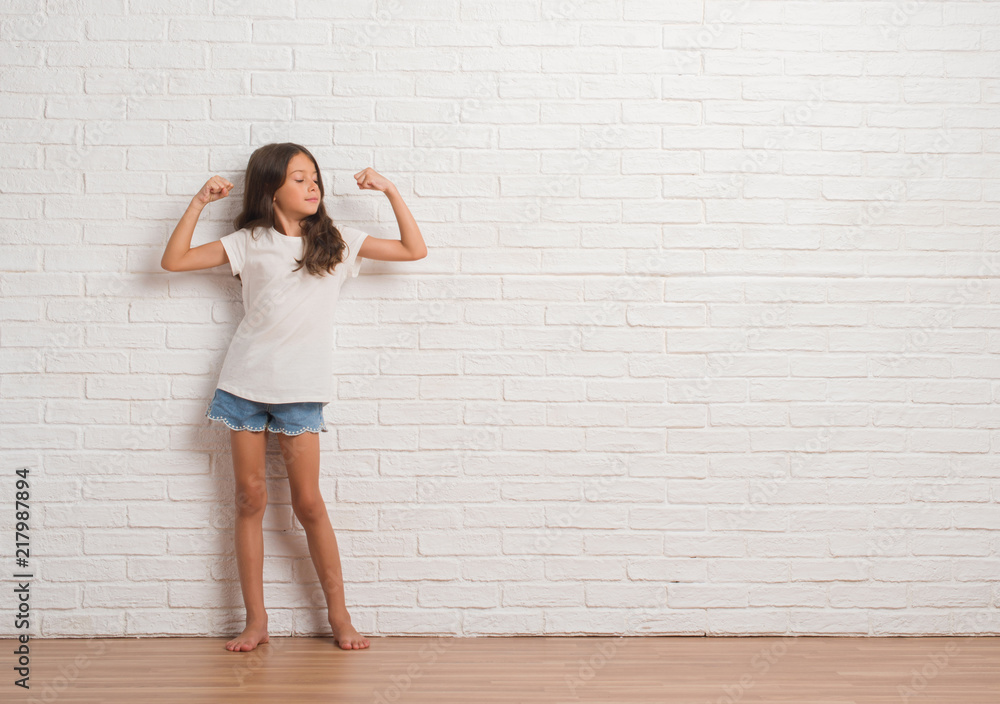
(299, 195)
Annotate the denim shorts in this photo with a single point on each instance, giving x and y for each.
(288, 418)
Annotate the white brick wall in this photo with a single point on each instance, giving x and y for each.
(707, 340)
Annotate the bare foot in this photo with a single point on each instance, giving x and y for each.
(251, 636)
(346, 636)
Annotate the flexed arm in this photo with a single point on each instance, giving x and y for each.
(178, 256)
(410, 246)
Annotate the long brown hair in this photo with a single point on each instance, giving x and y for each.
(324, 245)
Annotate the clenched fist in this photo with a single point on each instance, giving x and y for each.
(372, 180)
(214, 189)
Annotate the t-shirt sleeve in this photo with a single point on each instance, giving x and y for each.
(235, 245)
(354, 238)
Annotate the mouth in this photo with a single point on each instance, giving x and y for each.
(312, 200)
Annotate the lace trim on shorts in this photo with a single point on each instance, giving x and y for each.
(285, 432)
(208, 414)
(258, 430)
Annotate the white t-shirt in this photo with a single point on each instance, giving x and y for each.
(282, 351)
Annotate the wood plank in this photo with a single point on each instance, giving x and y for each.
(806, 670)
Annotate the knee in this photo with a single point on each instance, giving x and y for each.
(251, 500)
(309, 509)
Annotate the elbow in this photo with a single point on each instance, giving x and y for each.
(172, 263)
(420, 255)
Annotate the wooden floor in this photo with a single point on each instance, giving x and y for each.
(714, 670)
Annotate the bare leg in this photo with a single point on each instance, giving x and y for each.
(301, 454)
(251, 500)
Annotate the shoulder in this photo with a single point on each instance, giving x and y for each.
(353, 236)
(251, 231)
(241, 234)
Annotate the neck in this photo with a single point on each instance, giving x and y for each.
(288, 226)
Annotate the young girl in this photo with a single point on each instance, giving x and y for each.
(278, 373)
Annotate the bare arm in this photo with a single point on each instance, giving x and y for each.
(178, 256)
(410, 246)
